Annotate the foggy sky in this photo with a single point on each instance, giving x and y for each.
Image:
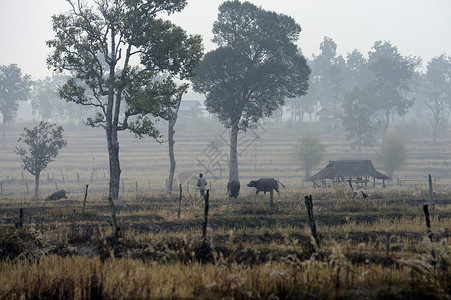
(417, 27)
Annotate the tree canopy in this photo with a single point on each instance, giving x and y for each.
(44, 142)
(392, 73)
(46, 103)
(310, 152)
(358, 117)
(124, 59)
(255, 67)
(13, 88)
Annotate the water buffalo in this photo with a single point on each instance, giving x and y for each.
(233, 188)
(265, 185)
(57, 195)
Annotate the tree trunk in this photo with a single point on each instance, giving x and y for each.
(4, 133)
(171, 152)
(36, 184)
(233, 172)
(115, 169)
(112, 120)
(434, 133)
(387, 123)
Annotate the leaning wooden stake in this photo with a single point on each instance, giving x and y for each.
(309, 204)
(428, 225)
(20, 225)
(428, 221)
(112, 221)
(431, 193)
(180, 201)
(84, 201)
(204, 225)
(74, 218)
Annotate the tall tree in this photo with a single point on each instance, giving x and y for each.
(45, 101)
(356, 72)
(43, 141)
(255, 67)
(392, 73)
(327, 75)
(99, 45)
(173, 115)
(438, 90)
(310, 152)
(358, 118)
(13, 88)
(393, 153)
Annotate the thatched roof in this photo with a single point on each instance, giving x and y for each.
(348, 168)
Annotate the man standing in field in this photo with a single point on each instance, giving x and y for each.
(202, 184)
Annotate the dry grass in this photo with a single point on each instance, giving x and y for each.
(373, 248)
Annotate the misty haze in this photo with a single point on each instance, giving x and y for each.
(179, 149)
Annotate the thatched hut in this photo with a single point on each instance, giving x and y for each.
(357, 171)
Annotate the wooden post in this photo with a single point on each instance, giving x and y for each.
(136, 184)
(1, 188)
(20, 225)
(28, 191)
(207, 206)
(123, 187)
(62, 175)
(74, 218)
(84, 201)
(428, 221)
(113, 221)
(180, 201)
(428, 225)
(431, 193)
(56, 185)
(78, 178)
(309, 204)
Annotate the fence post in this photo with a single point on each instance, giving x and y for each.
(20, 225)
(136, 183)
(428, 225)
(431, 193)
(74, 218)
(28, 191)
(84, 201)
(180, 201)
(309, 204)
(205, 223)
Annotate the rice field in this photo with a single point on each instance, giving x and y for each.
(371, 248)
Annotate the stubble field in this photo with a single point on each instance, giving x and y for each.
(368, 248)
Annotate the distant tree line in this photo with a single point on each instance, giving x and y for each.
(130, 68)
(363, 93)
